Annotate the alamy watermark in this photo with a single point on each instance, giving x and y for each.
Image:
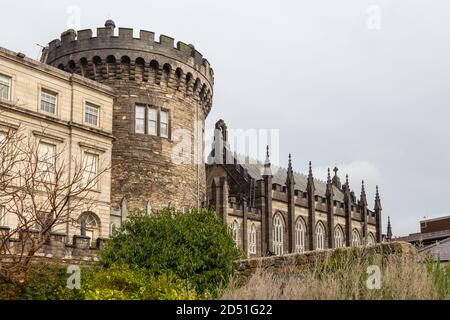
(373, 281)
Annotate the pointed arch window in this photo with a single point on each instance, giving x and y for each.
(371, 239)
(320, 236)
(278, 230)
(300, 235)
(252, 244)
(356, 239)
(339, 237)
(235, 231)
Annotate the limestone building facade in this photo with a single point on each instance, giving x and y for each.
(276, 211)
(65, 115)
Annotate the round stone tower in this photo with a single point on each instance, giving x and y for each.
(164, 94)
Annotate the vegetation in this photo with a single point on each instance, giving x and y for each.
(343, 276)
(175, 256)
(168, 255)
(194, 246)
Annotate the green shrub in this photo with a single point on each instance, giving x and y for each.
(46, 281)
(125, 283)
(194, 246)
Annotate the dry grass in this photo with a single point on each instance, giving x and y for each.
(343, 276)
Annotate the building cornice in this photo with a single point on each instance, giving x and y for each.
(69, 124)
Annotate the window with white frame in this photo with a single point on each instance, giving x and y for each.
(2, 216)
(90, 226)
(278, 233)
(252, 244)
(235, 231)
(338, 237)
(300, 235)
(49, 101)
(371, 240)
(356, 240)
(5, 87)
(164, 124)
(140, 119)
(152, 121)
(320, 236)
(90, 175)
(91, 114)
(46, 161)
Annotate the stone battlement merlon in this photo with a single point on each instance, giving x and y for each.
(72, 41)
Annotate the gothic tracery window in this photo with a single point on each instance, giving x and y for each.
(356, 240)
(320, 236)
(339, 237)
(300, 235)
(278, 230)
(371, 239)
(252, 246)
(235, 231)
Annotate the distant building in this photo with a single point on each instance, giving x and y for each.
(433, 238)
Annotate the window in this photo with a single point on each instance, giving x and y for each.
(355, 238)
(320, 236)
(90, 170)
(5, 87)
(46, 161)
(338, 237)
(278, 230)
(2, 216)
(140, 119)
(300, 236)
(48, 101)
(164, 124)
(371, 240)
(90, 225)
(252, 244)
(235, 231)
(112, 229)
(152, 121)
(91, 114)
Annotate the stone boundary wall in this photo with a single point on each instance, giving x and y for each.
(277, 264)
(80, 250)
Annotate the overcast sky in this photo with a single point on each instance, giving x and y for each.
(363, 85)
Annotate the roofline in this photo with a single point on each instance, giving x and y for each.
(435, 219)
(55, 72)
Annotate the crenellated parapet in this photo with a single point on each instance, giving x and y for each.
(108, 56)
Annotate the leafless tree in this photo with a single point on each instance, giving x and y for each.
(41, 193)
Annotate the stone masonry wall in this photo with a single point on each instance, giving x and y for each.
(279, 264)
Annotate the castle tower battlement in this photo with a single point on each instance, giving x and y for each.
(107, 56)
(163, 95)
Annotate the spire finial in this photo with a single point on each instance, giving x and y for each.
(363, 195)
(311, 187)
(267, 165)
(290, 172)
(377, 200)
(329, 191)
(346, 179)
(389, 230)
(336, 180)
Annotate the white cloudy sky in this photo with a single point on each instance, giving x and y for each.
(373, 102)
